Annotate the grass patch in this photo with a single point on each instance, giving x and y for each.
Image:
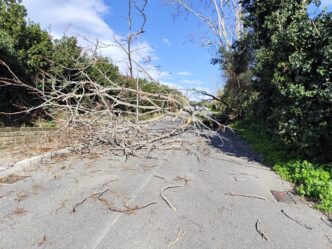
(312, 180)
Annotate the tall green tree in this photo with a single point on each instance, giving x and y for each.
(293, 74)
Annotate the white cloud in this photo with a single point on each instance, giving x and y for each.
(167, 42)
(191, 82)
(326, 3)
(84, 19)
(184, 73)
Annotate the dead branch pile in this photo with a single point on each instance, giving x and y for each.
(110, 114)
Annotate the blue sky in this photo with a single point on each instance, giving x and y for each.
(178, 59)
(179, 54)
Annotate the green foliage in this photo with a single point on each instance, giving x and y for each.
(293, 76)
(26, 42)
(238, 92)
(311, 180)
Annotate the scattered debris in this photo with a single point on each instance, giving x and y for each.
(221, 210)
(17, 212)
(189, 152)
(242, 173)
(201, 228)
(202, 170)
(163, 177)
(260, 231)
(298, 222)
(326, 222)
(21, 196)
(148, 167)
(101, 193)
(12, 179)
(113, 180)
(178, 238)
(177, 178)
(127, 208)
(85, 199)
(165, 198)
(244, 195)
(328, 238)
(42, 241)
(62, 205)
(237, 180)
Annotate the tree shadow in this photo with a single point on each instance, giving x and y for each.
(231, 144)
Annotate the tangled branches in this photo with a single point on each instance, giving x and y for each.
(118, 114)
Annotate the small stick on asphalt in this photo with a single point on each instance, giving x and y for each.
(178, 238)
(163, 177)
(130, 209)
(243, 195)
(202, 170)
(113, 180)
(298, 222)
(42, 241)
(329, 224)
(85, 199)
(239, 179)
(165, 198)
(260, 231)
(127, 210)
(328, 238)
(242, 173)
(79, 203)
(101, 193)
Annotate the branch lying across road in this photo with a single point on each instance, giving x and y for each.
(165, 198)
(244, 195)
(298, 222)
(260, 231)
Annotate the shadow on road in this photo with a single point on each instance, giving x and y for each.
(233, 145)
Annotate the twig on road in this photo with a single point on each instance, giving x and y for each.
(127, 208)
(202, 170)
(85, 199)
(165, 198)
(298, 222)
(42, 241)
(163, 177)
(101, 193)
(327, 223)
(242, 173)
(237, 180)
(328, 238)
(178, 238)
(260, 231)
(244, 195)
(62, 205)
(113, 180)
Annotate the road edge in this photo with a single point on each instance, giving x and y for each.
(25, 164)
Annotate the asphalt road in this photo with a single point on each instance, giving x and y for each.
(222, 191)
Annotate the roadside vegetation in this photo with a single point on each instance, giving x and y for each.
(312, 180)
(43, 62)
(278, 92)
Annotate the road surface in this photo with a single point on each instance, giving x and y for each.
(219, 197)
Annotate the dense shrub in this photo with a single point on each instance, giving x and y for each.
(293, 76)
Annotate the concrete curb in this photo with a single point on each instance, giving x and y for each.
(23, 165)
